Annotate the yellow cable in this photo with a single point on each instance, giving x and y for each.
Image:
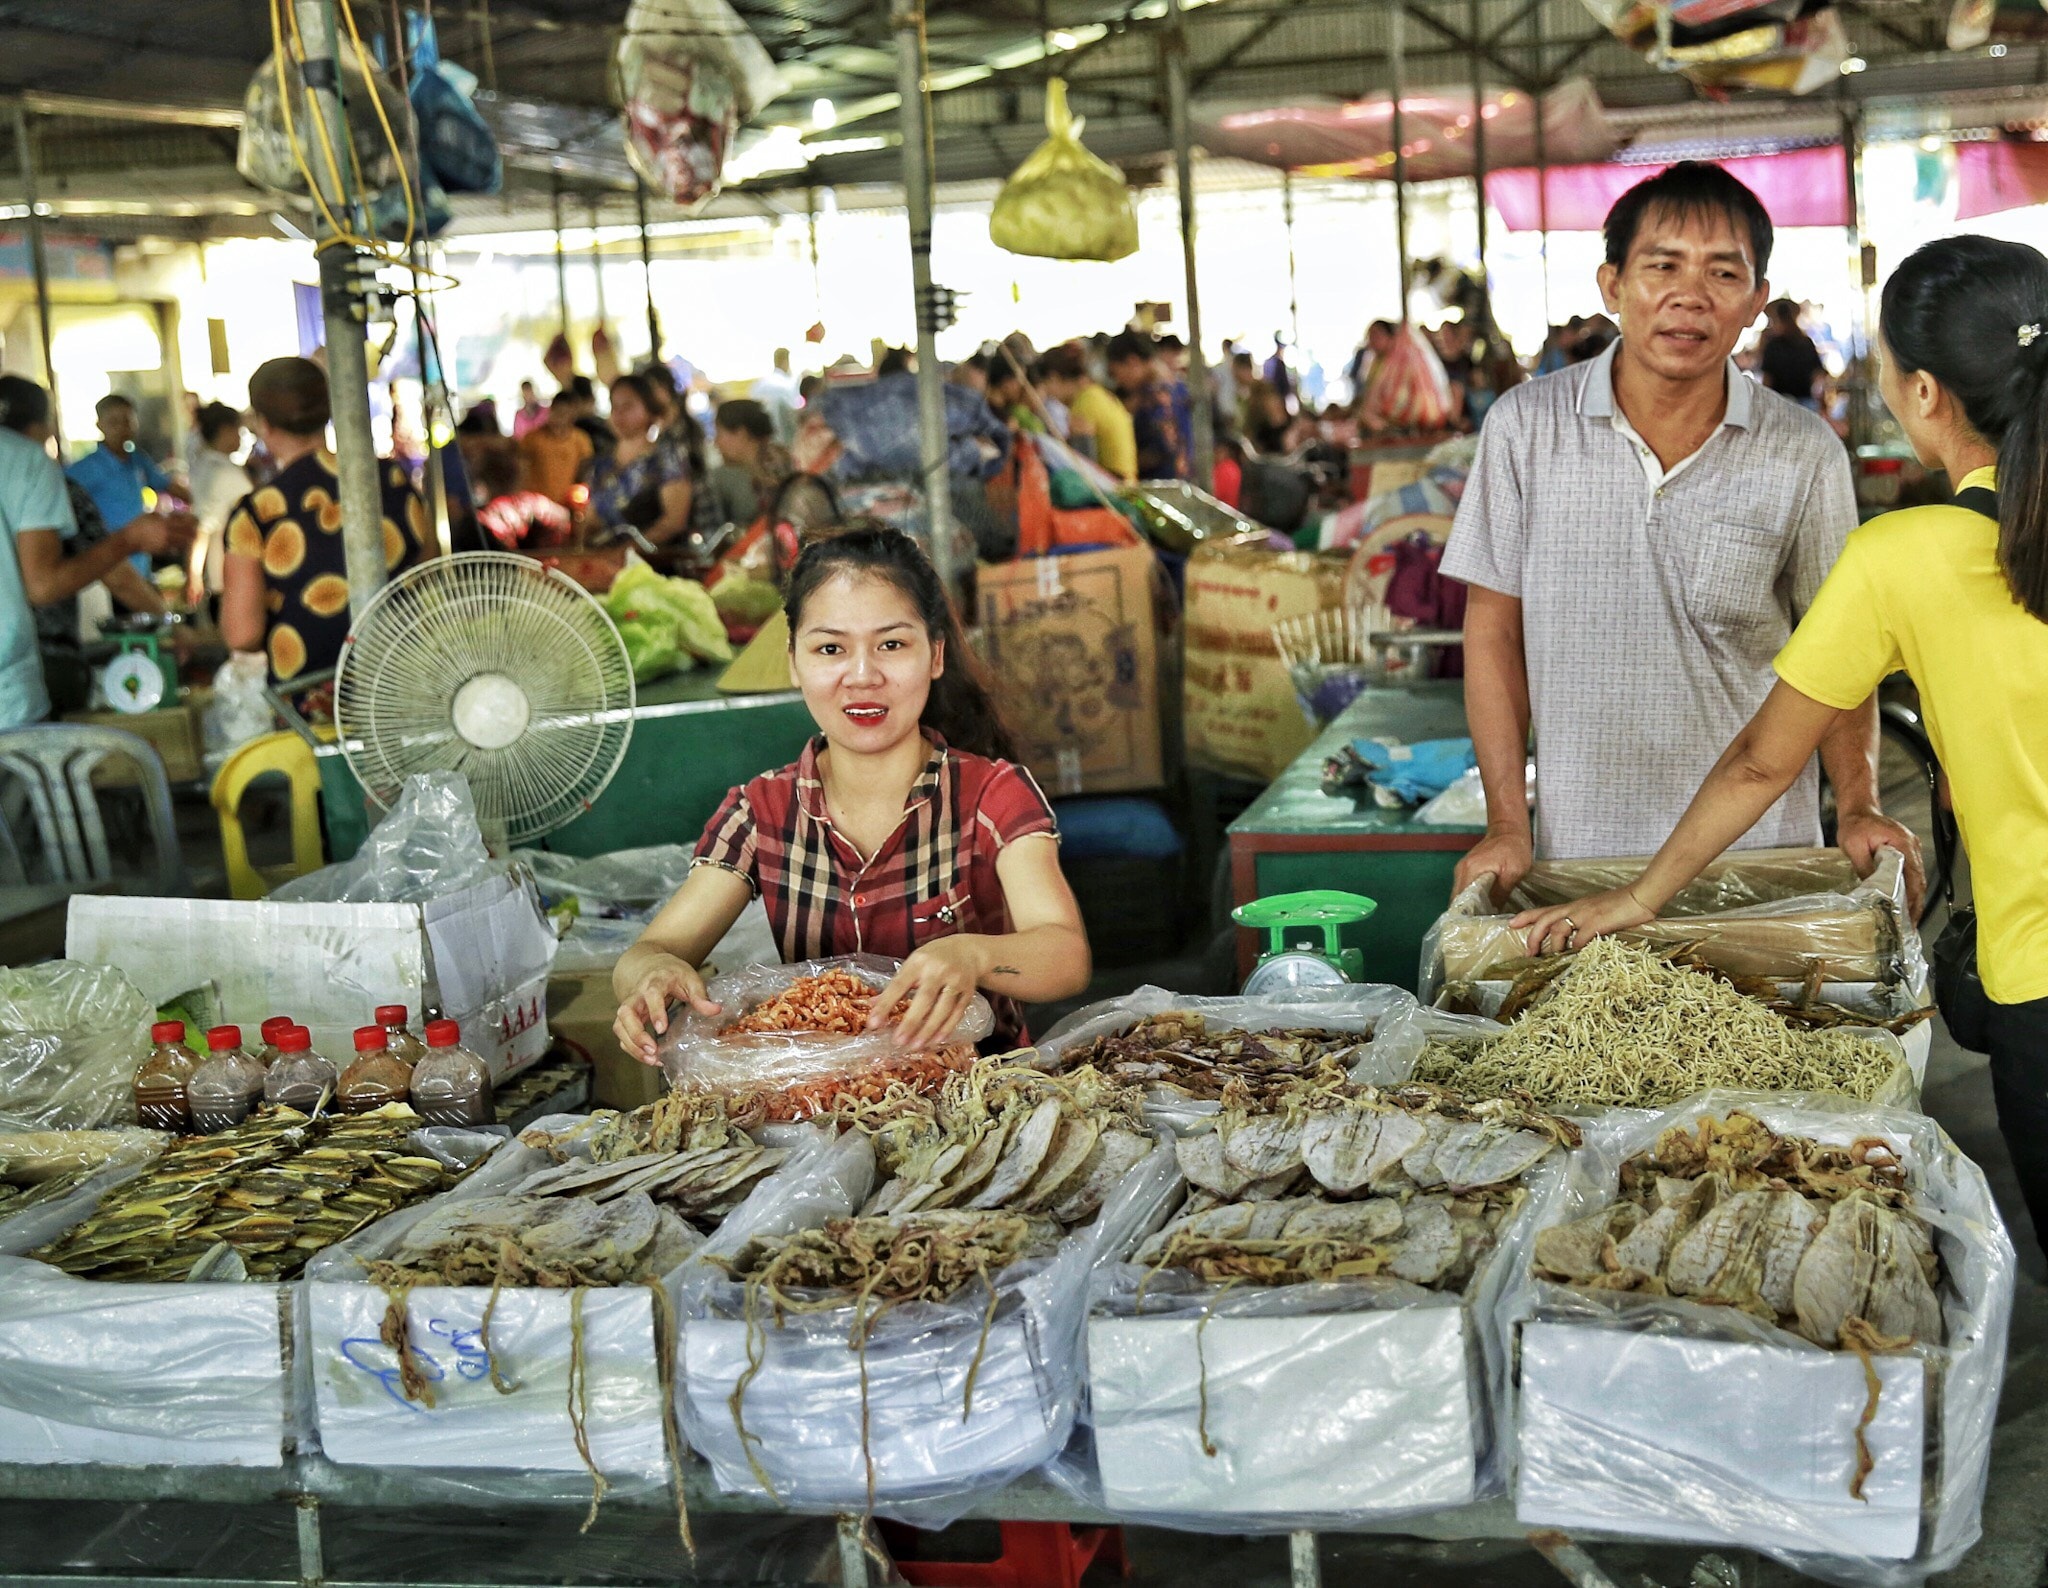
(405, 179)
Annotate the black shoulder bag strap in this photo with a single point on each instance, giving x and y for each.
(1958, 991)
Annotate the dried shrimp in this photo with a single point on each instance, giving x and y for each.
(833, 1001)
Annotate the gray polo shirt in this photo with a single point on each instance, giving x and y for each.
(1652, 603)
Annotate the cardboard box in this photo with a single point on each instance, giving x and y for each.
(1241, 713)
(1338, 1414)
(1717, 1442)
(582, 1009)
(365, 1419)
(1072, 640)
(480, 955)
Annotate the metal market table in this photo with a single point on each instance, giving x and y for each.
(1295, 837)
(690, 745)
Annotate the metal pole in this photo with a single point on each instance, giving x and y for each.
(1304, 1568)
(597, 262)
(1201, 399)
(1860, 370)
(1485, 327)
(1397, 81)
(561, 259)
(647, 273)
(1542, 174)
(906, 17)
(39, 262)
(1293, 295)
(433, 399)
(345, 315)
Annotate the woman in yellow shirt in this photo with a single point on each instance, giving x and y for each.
(1958, 600)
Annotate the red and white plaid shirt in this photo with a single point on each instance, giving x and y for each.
(934, 876)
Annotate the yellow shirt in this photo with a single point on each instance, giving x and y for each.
(1116, 439)
(1921, 589)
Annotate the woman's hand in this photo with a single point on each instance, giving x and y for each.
(643, 1012)
(935, 986)
(1564, 927)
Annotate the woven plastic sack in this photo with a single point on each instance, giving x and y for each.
(690, 72)
(1411, 392)
(1063, 202)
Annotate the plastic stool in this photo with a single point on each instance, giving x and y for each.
(1035, 1555)
(290, 755)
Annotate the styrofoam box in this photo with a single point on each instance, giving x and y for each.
(364, 1417)
(481, 954)
(805, 1409)
(1339, 1413)
(1717, 1442)
(139, 1375)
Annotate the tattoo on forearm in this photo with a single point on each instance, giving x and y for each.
(1004, 970)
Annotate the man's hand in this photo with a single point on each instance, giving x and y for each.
(1565, 927)
(1507, 854)
(1862, 834)
(161, 534)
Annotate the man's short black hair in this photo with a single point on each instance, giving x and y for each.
(579, 388)
(1689, 188)
(216, 417)
(110, 402)
(1127, 345)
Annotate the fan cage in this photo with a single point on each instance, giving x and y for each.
(451, 619)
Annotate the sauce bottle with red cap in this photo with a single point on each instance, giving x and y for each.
(300, 1077)
(273, 1028)
(398, 1037)
(161, 1102)
(451, 1085)
(377, 1077)
(227, 1085)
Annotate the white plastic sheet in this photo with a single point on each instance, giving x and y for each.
(932, 1453)
(1325, 1405)
(1640, 1414)
(429, 844)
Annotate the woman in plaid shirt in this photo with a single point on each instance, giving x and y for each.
(903, 829)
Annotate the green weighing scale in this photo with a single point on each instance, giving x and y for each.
(1285, 965)
(143, 676)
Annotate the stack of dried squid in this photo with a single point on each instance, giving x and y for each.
(1340, 1181)
(1178, 1052)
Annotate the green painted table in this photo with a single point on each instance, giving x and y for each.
(690, 744)
(1296, 837)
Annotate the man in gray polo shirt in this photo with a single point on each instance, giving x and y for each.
(1641, 533)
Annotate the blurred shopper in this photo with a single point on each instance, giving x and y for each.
(1787, 359)
(532, 412)
(1163, 452)
(555, 456)
(117, 473)
(285, 579)
(218, 483)
(41, 566)
(1095, 418)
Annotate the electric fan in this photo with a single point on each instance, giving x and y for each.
(489, 665)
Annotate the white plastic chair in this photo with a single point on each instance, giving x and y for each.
(52, 767)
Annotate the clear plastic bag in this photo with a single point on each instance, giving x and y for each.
(276, 148)
(1662, 1416)
(697, 1055)
(428, 845)
(1775, 913)
(689, 73)
(1063, 202)
(806, 1406)
(71, 1036)
(624, 882)
(240, 709)
(1363, 1009)
(1249, 1409)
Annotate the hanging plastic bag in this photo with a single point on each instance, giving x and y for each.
(281, 139)
(456, 144)
(1063, 202)
(690, 72)
(1410, 390)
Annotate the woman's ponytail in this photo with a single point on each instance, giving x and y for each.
(962, 708)
(2023, 480)
(1973, 313)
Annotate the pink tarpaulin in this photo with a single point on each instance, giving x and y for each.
(1805, 187)
(1991, 177)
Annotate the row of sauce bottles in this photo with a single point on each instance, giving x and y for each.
(179, 1091)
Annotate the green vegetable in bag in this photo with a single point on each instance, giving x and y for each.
(1063, 202)
(746, 599)
(651, 646)
(639, 594)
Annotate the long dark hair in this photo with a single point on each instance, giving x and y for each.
(962, 707)
(1973, 313)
